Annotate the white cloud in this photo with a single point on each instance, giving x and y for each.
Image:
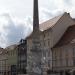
(19, 24)
(11, 31)
(46, 14)
(51, 8)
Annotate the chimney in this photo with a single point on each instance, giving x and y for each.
(35, 16)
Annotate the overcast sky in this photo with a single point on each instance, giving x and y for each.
(16, 17)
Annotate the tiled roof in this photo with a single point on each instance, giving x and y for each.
(11, 47)
(68, 37)
(2, 51)
(50, 23)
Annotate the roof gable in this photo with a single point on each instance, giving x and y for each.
(68, 37)
(50, 23)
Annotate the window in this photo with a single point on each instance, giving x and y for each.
(67, 52)
(60, 57)
(44, 42)
(73, 52)
(73, 61)
(44, 35)
(54, 54)
(49, 62)
(66, 61)
(61, 62)
(44, 53)
(53, 63)
(48, 42)
(13, 52)
(56, 62)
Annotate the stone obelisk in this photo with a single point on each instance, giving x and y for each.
(35, 51)
(35, 16)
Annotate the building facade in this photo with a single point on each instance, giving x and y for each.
(40, 44)
(64, 53)
(12, 59)
(3, 62)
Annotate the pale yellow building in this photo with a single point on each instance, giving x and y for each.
(3, 62)
(12, 57)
